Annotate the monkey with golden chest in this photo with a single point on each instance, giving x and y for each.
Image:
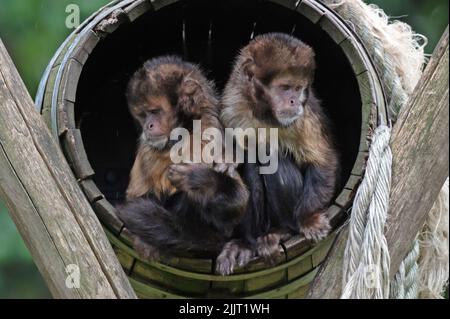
(271, 87)
(176, 208)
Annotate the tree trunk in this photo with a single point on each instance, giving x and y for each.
(420, 147)
(52, 214)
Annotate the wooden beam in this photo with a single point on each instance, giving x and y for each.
(420, 150)
(420, 146)
(47, 205)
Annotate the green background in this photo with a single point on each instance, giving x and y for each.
(32, 30)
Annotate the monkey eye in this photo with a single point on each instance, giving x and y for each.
(142, 114)
(285, 87)
(154, 111)
(298, 88)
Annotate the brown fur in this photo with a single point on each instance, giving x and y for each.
(149, 174)
(308, 138)
(176, 88)
(174, 209)
(248, 102)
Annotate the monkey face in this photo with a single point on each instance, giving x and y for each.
(282, 101)
(163, 95)
(157, 119)
(288, 96)
(278, 70)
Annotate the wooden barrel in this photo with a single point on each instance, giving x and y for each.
(81, 97)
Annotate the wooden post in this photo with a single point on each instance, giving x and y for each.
(52, 214)
(420, 146)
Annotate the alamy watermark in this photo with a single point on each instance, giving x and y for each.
(73, 276)
(372, 276)
(73, 17)
(236, 146)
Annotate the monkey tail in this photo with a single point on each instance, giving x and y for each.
(171, 233)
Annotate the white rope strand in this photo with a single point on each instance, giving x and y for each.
(405, 284)
(366, 257)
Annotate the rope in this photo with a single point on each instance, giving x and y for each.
(396, 50)
(366, 256)
(405, 284)
(434, 249)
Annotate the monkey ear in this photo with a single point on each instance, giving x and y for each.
(248, 67)
(305, 56)
(189, 86)
(189, 97)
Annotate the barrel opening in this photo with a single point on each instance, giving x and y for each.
(209, 33)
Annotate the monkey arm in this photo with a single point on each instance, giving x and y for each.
(139, 184)
(159, 231)
(222, 198)
(318, 189)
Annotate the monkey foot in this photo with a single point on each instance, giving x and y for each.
(268, 247)
(234, 254)
(144, 250)
(316, 227)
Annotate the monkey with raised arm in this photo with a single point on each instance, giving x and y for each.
(176, 208)
(271, 87)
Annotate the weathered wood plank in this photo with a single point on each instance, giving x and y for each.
(158, 4)
(108, 216)
(137, 8)
(45, 201)
(420, 155)
(74, 149)
(328, 282)
(310, 10)
(111, 22)
(163, 279)
(91, 190)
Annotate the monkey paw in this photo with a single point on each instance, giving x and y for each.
(196, 180)
(268, 247)
(226, 168)
(234, 254)
(316, 227)
(144, 250)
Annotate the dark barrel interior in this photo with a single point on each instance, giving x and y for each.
(209, 33)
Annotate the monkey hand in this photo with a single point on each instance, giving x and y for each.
(198, 181)
(227, 168)
(316, 226)
(234, 254)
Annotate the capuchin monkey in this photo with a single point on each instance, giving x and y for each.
(271, 87)
(175, 209)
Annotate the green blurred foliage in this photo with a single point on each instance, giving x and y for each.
(427, 17)
(32, 30)
(19, 277)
